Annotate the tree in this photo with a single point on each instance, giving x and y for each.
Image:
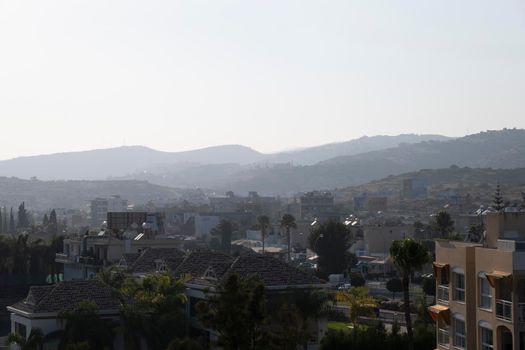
(237, 312)
(394, 285)
(408, 255)
(475, 232)
(357, 280)
(184, 344)
(444, 224)
(23, 220)
(152, 310)
(497, 199)
(225, 230)
(12, 226)
(358, 302)
(288, 222)
(5, 227)
(84, 324)
(264, 225)
(331, 241)
(45, 220)
(53, 223)
(35, 340)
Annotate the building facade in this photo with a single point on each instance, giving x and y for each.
(480, 288)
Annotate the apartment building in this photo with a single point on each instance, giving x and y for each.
(480, 288)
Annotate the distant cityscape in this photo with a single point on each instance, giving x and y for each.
(422, 260)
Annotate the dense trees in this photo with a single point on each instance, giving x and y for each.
(331, 241)
(237, 311)
(21, 255)
(408, 255)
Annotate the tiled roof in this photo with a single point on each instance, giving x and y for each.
(271, 271)
(129, 258)
(149, 260)
(66, 295)
(199, 262)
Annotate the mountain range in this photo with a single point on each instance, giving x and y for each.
(242, 169)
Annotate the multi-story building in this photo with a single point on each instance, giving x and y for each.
(315, 204)
(99, 208)
(481, 287)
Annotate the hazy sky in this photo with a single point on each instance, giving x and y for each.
(177, 75)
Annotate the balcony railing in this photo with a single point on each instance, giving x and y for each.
(443, 295)
(521, 312)
(64, 258)
(504, 309)
(443, 339)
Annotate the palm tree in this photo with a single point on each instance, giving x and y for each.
(408, 255)
(33, 342)
(288, 222)
(264, 224)
(358, 301)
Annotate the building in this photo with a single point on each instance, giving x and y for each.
(480, 287)
(415, 188)
(316, 204)
(43, 305)
(123, 220)
(84, 256)
(99, 208)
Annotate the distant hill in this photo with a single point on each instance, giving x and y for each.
(313, 155)
(477, 182)
(103, 163)
(503, 149)
(74, 194)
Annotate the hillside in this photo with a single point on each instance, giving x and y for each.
(313, 155)
(139, 160)
(74, 194)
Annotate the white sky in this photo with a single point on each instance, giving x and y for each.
(279, 74)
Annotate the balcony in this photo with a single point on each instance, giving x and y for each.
(64, 258)
(443, 295)
(504, 310)
(443, 338)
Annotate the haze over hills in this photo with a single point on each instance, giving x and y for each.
(120, 161)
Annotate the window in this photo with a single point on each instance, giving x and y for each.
(485, 293)
(485, 335)
(21, 329)
(460, 340)
(459, 287)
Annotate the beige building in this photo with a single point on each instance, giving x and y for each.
(481, 288)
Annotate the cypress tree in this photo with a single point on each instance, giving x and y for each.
(498, 199)
(23, 221)
(12, 226)
(4, 226)
(45, 220)
(53, 224)
(1, 221)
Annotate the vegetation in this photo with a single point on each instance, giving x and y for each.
(444, 224)
(408, 255)
(224, 230)
(288, 222)
(22, 256)
(394, 285)
(497, 199)
(35, 340)
(358, 302)
(264, 224)
(237, 311)
(330, 241)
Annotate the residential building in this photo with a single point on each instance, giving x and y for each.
(315, 204)
(99, 208)
(84, 256)
(480, 287)
(42, 307)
